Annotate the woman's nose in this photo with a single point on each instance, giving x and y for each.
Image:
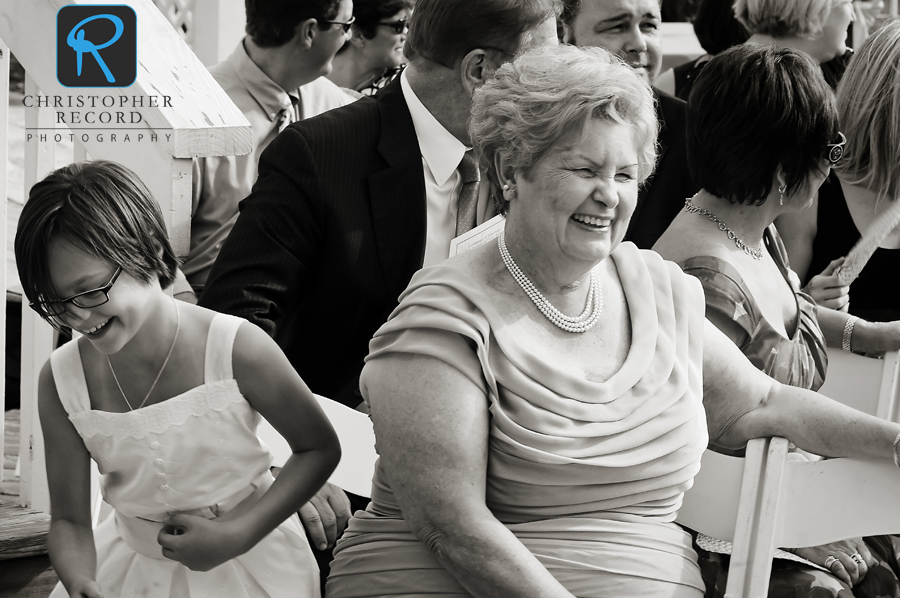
(605, 193)
(75, 313)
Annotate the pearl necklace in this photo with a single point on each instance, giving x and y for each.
(159, 373)
(580, 323)
(755, 253)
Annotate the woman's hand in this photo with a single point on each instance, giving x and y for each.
(827, 290)
(85, 588)
(200, 544)
(852, 559)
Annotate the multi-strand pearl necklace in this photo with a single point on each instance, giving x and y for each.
(580, 323)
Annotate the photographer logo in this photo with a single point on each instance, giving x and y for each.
(96, 45)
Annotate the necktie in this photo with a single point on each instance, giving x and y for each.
(468, 193)
(288, 114)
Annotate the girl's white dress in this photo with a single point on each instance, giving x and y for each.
(195, 453)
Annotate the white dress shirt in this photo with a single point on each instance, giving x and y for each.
(441, 154)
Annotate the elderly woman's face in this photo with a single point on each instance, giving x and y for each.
(834, 33)
(577, 201)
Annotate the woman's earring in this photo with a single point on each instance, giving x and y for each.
(781, 190)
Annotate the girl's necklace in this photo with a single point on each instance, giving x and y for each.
(159, 373)
(755, 253)
(580, 323)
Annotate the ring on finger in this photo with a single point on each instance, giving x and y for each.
(830, 560)
(858, 558)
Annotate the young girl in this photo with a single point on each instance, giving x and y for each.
(165, 396)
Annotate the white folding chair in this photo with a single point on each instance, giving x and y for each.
(358, 456)
(864, 383)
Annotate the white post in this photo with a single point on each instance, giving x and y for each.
(218, 27)
(37, 335)
(4, 151)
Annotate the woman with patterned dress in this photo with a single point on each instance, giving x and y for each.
(761, 144)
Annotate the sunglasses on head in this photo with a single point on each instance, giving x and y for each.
(400, 26)
(835, 151)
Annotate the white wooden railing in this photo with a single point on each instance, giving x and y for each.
(197, 120)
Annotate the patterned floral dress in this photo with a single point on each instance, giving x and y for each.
(799, 361)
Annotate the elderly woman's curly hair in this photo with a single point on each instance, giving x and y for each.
(546, 94)
(784, 18)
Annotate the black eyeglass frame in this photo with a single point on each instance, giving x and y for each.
(344, 25)
(41, 306)
(836, 150)
(400, 26)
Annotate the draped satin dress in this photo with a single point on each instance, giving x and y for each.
(588, 476)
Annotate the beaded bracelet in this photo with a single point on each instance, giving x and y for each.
(896, 456)
(848, 332)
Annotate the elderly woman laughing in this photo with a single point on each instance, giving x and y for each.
(538, 402)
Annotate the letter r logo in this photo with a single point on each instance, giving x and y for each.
(96, 45)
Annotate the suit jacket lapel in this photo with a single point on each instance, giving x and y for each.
(397, 193)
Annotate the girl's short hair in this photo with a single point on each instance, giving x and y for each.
(753, 110)
(545, 94)
(784, 18)
(868, 104)
(104, 209)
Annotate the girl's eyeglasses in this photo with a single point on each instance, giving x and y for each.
(401, 26)
(835, 151)
(344, 25)
(51, 310)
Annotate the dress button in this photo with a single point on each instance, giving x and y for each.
(164, 487)
(154, 445)
(158, 461)
(160, 475)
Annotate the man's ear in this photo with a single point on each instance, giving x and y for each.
(475, 69)
(565, 33)
(305, 33)
(357, 39)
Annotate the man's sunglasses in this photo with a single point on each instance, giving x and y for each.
(344, 25)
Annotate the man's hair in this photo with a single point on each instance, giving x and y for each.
(534, 103)
(868, 104)
(784, 18)
(755, 109)
(444, 31)
(273, 23)
(369, 13)
(102, 208)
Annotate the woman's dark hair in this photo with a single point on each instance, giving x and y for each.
(755, 109)
(369, 13)
(104, 209)
(716, 27)
(273, 23)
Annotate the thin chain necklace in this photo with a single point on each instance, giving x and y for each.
(159, 373)
(755, 253)
(580, 323)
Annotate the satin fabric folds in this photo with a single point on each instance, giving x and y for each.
(589, 476)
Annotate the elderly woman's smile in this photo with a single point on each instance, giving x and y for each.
(576, 202)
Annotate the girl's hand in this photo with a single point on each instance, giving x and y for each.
(851, 561)
(200, 544)
(827, 290)
(85, 588)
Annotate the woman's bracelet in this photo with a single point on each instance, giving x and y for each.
(848, 333)
(896, 456)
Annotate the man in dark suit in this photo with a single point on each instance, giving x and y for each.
(350, 204)
(630, 29)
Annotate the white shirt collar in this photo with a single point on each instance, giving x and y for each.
(441, 151)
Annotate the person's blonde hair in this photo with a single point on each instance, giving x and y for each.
(546, 93)
(784, 18)
(868, 103)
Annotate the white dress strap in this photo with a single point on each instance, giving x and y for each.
(219, 343)
(68, 374)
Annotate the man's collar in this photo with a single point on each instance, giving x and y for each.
(272, 99)
(441, 151)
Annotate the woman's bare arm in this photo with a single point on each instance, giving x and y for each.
(742, 403)
(432, 425)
